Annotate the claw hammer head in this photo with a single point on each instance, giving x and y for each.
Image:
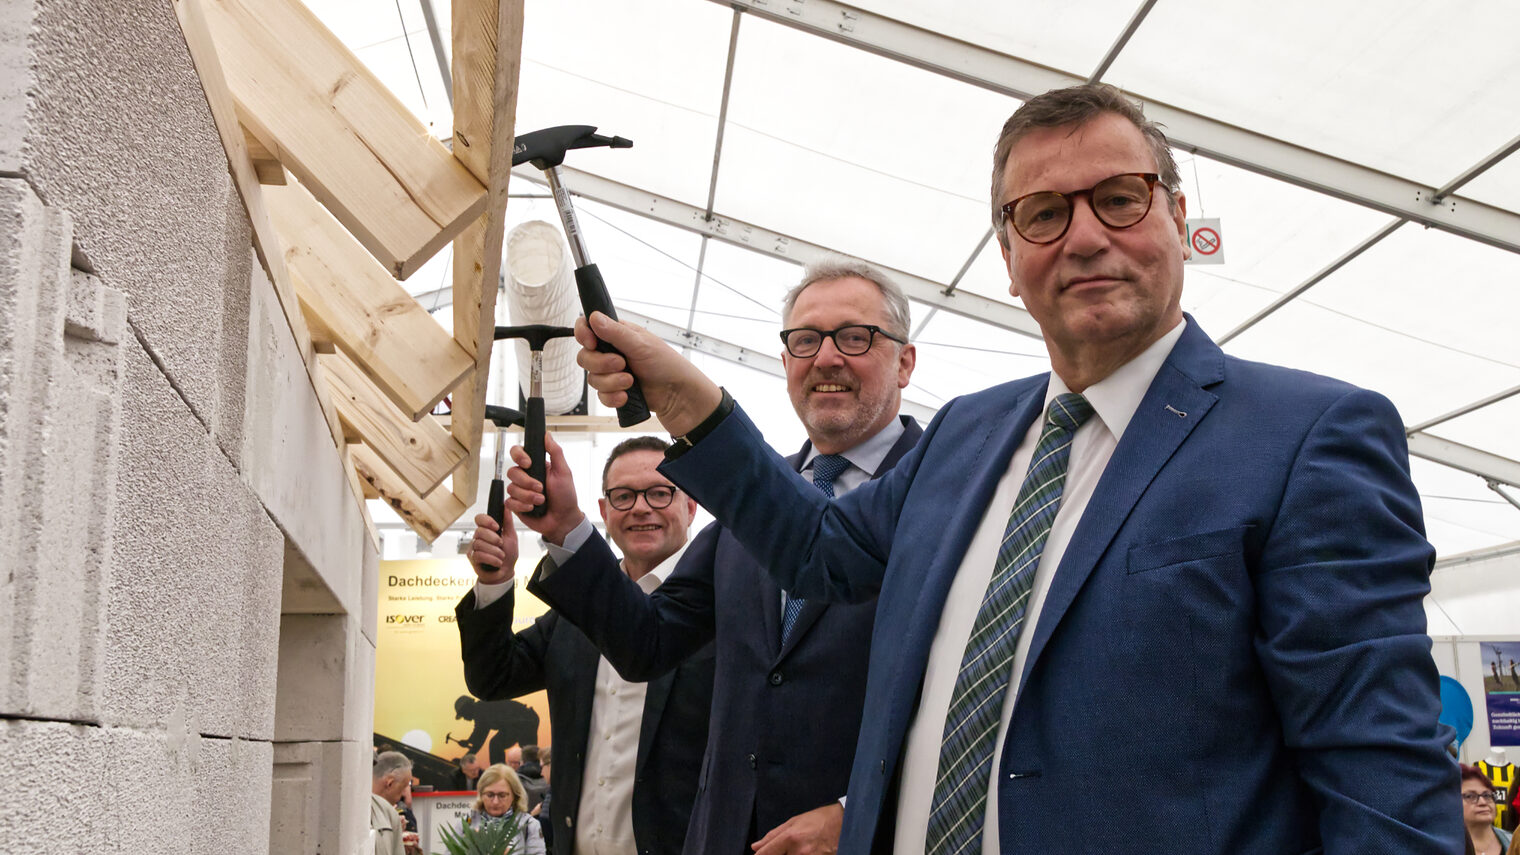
(546, 149)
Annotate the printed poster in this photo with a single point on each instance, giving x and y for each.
(1501, 685)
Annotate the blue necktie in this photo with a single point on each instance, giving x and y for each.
(959, 808)
(826, 467)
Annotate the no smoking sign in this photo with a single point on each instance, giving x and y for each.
(1203, 235)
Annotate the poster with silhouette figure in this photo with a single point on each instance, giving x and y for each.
(422, 706)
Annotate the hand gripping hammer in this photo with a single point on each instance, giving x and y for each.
(496, 504)
(546, 149)
(537, 335)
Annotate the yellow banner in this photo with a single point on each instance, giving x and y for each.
(420, 696)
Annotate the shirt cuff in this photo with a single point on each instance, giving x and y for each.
(577, 538)
(487, 594)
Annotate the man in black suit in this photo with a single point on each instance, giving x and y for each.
(612, 735)
(791, 674)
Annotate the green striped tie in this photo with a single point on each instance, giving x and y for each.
(959, 808)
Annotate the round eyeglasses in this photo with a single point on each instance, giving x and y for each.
(852, 340)
(656, 497)
(1118, 202)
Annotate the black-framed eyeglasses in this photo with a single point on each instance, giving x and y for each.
(1485, 796)
(1119, 202)
(851, 340)
(656, 497)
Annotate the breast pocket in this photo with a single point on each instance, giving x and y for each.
(1208, 546)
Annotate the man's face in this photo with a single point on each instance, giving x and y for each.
(1096, 289)
(514, 756)
(472, 768)
(395, 785)
(844, 400)
(644, 534)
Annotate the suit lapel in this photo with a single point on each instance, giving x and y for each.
(656, 692)
(1154, 434)
(812, 610)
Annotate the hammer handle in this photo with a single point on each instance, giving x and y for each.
(594, 298)
(533, 443)
(496, 509)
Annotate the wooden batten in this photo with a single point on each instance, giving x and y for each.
(368, 315)
(422, 452)
(429, 516)
(266, 243)
(334, 126)
(265, 164)
(487, 58)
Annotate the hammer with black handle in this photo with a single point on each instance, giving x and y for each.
(546, 149)
(537, 335)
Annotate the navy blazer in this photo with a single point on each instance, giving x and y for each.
(553, 655)
(1232, 655)
(784, 719)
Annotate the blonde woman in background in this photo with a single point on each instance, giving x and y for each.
(501, 795)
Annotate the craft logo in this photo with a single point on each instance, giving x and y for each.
(445, 618)
(404, 619)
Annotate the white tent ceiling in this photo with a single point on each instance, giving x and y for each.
(1359, 155)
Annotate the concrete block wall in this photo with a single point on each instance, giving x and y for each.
(165, 474)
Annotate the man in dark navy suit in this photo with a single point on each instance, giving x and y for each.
(615, 738)
(790, 686)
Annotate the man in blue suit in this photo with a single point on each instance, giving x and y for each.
(1190, 593)
(775, 770)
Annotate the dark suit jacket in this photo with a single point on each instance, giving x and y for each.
(554, 655)
(1232, 655)
(784, 719)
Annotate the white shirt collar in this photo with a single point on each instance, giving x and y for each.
(867, 456)
(1116, 397)
(651, 580)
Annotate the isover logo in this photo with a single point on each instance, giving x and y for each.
(403, 618)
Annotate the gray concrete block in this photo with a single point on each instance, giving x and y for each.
(232, 797)
(118, 133)
(320, 797)
(54, 804)
(15, 80)
(289, 458)
(315, 673)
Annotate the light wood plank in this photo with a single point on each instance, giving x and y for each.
(326, 117)
(422, 452)
(368, 314)
(487, 59)
(266, 242)
(265, 164)
(429, 516)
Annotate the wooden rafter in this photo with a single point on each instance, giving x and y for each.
(423, 453)
(487, 37)
(428, 516)
(329, 120)
(367, 313)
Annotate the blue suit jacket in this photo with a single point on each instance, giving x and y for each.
(1232, 655)
(784, 718)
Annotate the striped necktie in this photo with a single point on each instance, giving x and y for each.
(826, 467)
(959, 808)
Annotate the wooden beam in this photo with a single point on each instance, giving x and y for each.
(266, 242)
(265, 164)
(368, 314)
(429, 516)
(422, 452)
(487, 37)
(325, 116)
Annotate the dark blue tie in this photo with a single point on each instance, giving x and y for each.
(826, 467)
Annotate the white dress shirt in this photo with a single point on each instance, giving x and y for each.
(604, 824)
(1114, 400)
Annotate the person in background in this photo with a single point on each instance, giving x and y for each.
(502, 799)
(1478, 813)
(390, 781)
(531, 773)
(467, 774)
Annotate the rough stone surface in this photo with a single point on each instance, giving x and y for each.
(43, 789)
(15, 80)
(118, 133)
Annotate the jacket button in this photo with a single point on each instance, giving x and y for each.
(751, 759)
(775, 678)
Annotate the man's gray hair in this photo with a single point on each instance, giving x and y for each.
(841, 267)
(390, 762)
(1076, 105)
